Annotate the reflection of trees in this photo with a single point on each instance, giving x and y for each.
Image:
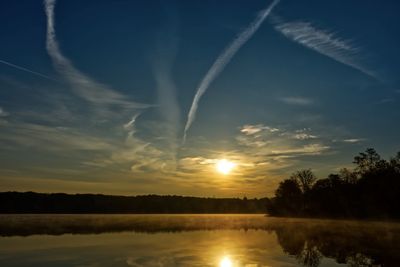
(371, 190)
(309, 256)
(294, 242)
(360, 260)
(346, 242)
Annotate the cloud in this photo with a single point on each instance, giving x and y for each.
(301, 101)
(130, 124)
(221, 62)
(200, 172)
(119, 146)
(162, 63)
(83, 86)
(196, 164)
(354, 140)
(386, 101)
(311, 149)
(3, 113)
(58, 130)
(272, 155)
(50, 138)
(87, 147)
(249, 129)
(322, 41)
(260, 141)
(304, 136)
(142, 156)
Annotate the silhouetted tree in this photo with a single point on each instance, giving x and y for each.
(367, 161)
(348, 176)
(288, 199)
(305, 178)
(395, 162)
(372, 190)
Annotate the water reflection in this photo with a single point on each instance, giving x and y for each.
(218, 241)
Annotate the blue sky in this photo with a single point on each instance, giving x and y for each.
(95, 95)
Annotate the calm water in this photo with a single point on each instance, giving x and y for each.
(194, 240)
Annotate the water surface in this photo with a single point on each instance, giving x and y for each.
(194, 240)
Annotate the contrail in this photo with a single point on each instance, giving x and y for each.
(223, 60)
(83, 85)
(163, 61)
(28, 70)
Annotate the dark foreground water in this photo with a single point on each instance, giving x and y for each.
(194, 240)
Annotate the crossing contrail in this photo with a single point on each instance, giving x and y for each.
(223, 60)
(27, 70)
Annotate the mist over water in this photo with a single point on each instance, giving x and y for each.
(194, 240)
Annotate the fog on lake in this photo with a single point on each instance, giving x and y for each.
(194, 240)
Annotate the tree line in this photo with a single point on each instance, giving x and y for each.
(370, 190)
(31, 202)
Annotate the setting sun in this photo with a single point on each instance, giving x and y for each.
(225, 262)
(224, 166)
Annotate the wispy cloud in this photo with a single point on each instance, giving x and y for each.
(109, 141)
(162, 63)
(301, 135)
(264, 154)
(143, 156)
(296, 100)
(223, 60)
(50, 138)
(27, 70)
(86, 146)
(84, 86)
(354, 140)
(324, 42)
(266, 141)
(386, 101)
(129, 125)
(3, 113)
(250, 129)
(311, 149)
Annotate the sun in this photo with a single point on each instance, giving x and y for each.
(225, 262)
(225, 166)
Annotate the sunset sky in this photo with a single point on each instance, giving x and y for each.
(98, 96)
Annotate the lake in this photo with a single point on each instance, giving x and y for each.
(194, 240)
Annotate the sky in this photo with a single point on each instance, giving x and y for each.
(146, 97)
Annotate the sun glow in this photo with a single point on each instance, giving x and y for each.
(225, 262)
(224, 166)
